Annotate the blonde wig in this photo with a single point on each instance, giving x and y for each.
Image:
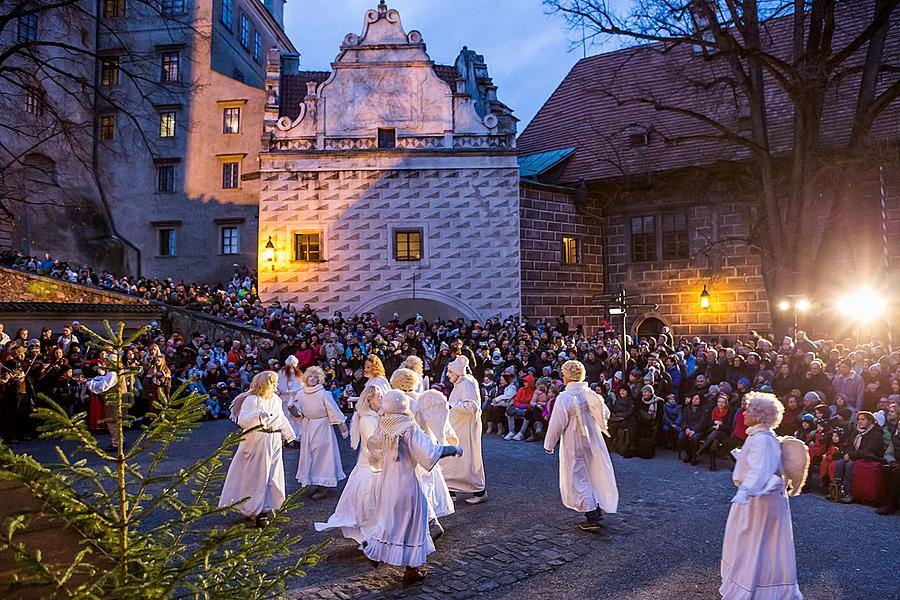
(764, 408)
(414, 363)
(313, 371)
(405, 380)
(373, 367)
(264, 384)
(573, 370)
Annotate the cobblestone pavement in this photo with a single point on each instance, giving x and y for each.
(664, 542)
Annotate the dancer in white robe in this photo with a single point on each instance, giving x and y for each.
(758, 556)
(465, 474)
(399, 535)
(257, 471)
(373, 371)
(414, 363)
(432, 416)
(353, 512)
(587, 482)
(289, 384)
(320, 456)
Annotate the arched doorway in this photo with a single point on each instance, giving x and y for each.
(430, 305)
(650, 327)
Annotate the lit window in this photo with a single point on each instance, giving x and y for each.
(169, 66)
(166, 241)
(230, 240)
(675, 243)
(27, 30)
(643, 238)
(231, 122)
(226, 13)
(408, 245)
(34, 103)
(165, 178)
(387, 138)
(167, 124)
(172, 7)
(230, 175)
(107, 127)
(109, 71)
(307, 247)
(257, 46)
(570, 251)
(245, 32)
(113, 8)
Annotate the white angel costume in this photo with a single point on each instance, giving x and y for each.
(320, 456)
(289, 385)
(578, 423)
(257, 471)
(353, 513)
(758, 556)
(432, 415)
(465, 473)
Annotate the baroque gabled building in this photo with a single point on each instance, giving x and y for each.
(389, 184)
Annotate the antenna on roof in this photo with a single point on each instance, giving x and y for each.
(583, 40)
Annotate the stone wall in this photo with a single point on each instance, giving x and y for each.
(18, 286)
(187, 322)
(549, 287)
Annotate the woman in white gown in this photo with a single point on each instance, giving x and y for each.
(465, 474)
(399, 534)
(289, 384)
(373, 370)
(758, 557)
(257, 471)
(587, 482)
(353, 512)
(320, 456)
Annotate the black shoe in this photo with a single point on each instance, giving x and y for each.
(414, 575)
(589, 526)
(263, 520)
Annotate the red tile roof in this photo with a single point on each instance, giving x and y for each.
(587, 109)
(293, 86)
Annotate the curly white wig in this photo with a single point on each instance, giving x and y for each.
(573, 370)
(313, 371)
(405, 380)
(414, 363)
(764, 408)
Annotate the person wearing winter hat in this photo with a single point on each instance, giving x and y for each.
(587, 482)
(758, 555)
(466, 473)
(399, 534)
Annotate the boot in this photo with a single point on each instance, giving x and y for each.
(834, 493)
(414, 575)
(888, 509)
(490, 427)
(712, 461)
(435, 530)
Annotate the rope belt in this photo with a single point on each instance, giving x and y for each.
(270, 431)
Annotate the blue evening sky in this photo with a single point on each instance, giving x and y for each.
(527, 51)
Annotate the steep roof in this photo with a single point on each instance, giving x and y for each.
(593, 108)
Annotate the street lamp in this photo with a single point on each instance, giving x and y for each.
(269, 253)
(799, 304)
(704, 299)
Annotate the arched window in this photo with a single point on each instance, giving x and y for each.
(650, 327)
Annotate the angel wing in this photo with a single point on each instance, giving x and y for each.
(434, 411)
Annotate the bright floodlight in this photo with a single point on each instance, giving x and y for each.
(802, 305)
(864, 305)
(784, 305)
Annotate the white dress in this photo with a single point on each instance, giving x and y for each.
(354, 509)
(399, 534)
(758, 558)
(586, 476)
(257, 472)
(288, 387)
(432, 416)
(320, 456)
(465, 473)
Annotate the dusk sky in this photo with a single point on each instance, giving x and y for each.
(527, 51)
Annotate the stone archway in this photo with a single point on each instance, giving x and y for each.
(650, 326)
(426, 303)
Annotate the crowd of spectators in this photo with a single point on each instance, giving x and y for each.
(686, 395)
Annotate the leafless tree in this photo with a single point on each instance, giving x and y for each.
(755, 49)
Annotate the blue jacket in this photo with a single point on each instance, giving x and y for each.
(672, 416)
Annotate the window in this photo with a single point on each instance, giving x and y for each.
(107, 127)
(113, 8)
(408, 244)
(307, 247)
(27, 30)
(387, 138)
(639, 139)
(34, 102)
(643, 238)
(257, 46)
(169, 66)
(226, 13)
(231, 121)
(230, 239)
(245, 32)
(570, 251)
(166, 241)
(230, 175)
(172, 7)
(675, 243)
(167, 124)
(165, 178)
(109, 71)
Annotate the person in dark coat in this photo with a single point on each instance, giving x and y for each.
(866, 444)
(694, 425)
(621, 420)
(892, 456)
(785, 381)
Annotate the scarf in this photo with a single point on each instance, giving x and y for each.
(393, 427)
(719, 414)
(859, 436)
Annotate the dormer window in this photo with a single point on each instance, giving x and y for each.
(387, 138)
(639, 139)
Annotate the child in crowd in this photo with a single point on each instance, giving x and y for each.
(806, 431)
(671, 426)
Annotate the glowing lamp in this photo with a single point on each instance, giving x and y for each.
(784, 305)
(704, 299)
(269, 252)
(802, 305)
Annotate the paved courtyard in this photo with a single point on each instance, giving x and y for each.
(664, 542)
